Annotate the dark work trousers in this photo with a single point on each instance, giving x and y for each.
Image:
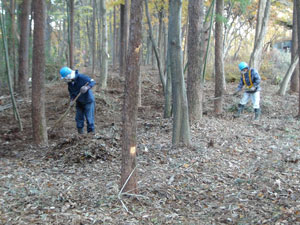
(85, 111)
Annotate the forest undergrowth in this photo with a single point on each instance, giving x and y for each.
(238, 171)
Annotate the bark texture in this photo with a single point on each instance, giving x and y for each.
(195, 59)
(255, 59)
(24, 48)
(219, 64)
(129, 145)
(71, 28)
(294, 87)
(298, 33)
(288, 75)
(38, 76)
(104, 46)
(181, 126)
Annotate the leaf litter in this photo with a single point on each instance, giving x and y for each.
(236, 172)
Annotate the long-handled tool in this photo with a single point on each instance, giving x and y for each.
(67, 111)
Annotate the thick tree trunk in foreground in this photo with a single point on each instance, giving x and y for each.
(181, 126)
(38, 76)
(24, 48)
(129, 145)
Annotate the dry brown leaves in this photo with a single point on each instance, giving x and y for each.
(237, 171)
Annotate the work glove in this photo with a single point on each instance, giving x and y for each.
(72, 102)
(84, 89)
(251, 90)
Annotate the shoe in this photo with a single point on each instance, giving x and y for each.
(80, 130)
(257, 114)
(240, 110)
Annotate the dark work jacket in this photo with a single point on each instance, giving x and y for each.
(74, 88)
(255, 78)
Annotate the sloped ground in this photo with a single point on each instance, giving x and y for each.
(237, 172)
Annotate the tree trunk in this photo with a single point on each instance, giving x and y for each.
(111, 39)
(287, 77)
(13, 41)
(38, 75)
(208, 25)
(195, 62)
(4, 41)
(168, 90)
(298, 33)
(49, 31)
(94, 37)
(255, 59)
(219, 64)
(295, 77)
(123, 35)
(104, 46)
(181, 126)
(129, 145)
(160, 36)
(71, 29)
(24, 48)
(115, 49)
(156, 51)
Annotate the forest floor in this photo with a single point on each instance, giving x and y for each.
(237, 172)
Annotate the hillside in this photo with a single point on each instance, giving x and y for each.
(237, 172)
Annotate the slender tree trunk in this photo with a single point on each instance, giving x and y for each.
(111, 39)
(208, 26)
(295, 77)
(104, 46)
(181, 126)
(219, 64)
(71, 29)
(115, 40)
(122, 39)
(255, 58)
(156, 51)
(24, 48)
(38, 76)
(94, 37)
(48, 31)
(99, 42)
(168, 89)
(194, 81)
(148, 53)
(298, 33)
(129, 143)
(288, 75)
(4, 41)
(160, 36)
(13, 41)
(123, 35)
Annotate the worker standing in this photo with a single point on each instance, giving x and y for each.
(85, 103)
(251, 79)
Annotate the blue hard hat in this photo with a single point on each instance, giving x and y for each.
(64, 71)
(243, 65)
